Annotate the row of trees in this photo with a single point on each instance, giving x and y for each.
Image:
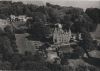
(54, 13)
(16, 8)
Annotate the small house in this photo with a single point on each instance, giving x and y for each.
(23, 18)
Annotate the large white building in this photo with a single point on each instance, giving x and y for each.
(61, 36)
(23, 18)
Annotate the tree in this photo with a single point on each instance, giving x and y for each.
(55, 15)
(86, 43)
(94, 14)
(11, 35)
(37, 27)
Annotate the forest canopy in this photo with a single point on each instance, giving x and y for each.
(51, 14)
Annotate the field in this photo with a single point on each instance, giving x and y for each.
(24, 44)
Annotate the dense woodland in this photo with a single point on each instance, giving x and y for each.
(44, 19)
(52, 14)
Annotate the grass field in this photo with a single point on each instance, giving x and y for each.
(24, 44)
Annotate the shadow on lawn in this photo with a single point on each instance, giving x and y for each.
(92, 61)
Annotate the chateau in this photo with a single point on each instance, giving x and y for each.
(61, 36)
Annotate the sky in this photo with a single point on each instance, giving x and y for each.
(75, 3)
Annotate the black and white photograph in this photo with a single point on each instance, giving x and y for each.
(49, 35)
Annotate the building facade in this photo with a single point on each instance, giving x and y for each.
(61, 36)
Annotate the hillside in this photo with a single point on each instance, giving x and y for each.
(33, 39)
